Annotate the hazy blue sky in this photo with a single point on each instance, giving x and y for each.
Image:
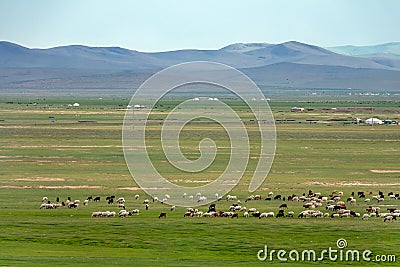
(168, 25)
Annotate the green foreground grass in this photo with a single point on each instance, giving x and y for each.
(40, 158)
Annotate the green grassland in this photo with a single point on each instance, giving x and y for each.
(50, 149)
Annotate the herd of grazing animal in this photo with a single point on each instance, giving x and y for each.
(120, 203)
(314, 205)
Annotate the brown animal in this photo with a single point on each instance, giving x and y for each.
(162, 215)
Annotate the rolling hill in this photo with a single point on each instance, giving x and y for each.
(292, 64)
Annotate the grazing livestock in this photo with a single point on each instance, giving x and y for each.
(162, 215)
(47, 206)
(391, 209)
(187, 214)
(246, 214)
(229, 197)
(277, 197)
(89, 198)
(172, 208)
(45, 199)
(96, 199)
(283, 206)
(85, 202)
(123, 213)
(267, 215)
(290, 214)
(211, 208)
(389, 218)
(202, 199)
(110, 200)
(135, 211)
(73, 205)
(280, 214)
(96, 214)
(137, 196)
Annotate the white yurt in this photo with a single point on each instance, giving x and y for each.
(373, 121)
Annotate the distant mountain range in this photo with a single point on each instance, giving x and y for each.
(290, 64)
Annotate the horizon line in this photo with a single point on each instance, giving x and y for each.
(180, 49)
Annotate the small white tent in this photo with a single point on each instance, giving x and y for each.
(373, 121)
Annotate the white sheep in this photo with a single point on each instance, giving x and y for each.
(252, 210)
(137, 196)
(389, 218)
(123, 213)
(85, 202)
(121, 205)
(135, 211)
(267, 215)
(365, 216)
(208, 214)
(202, 199)
(105, 213)
(229, 197)
(96, 214)
(198, 214)
(290, 214)
(246, 214)
(47, 206)
(45, 199)
(121, 200)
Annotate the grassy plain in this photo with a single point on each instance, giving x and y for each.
(80, 154)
